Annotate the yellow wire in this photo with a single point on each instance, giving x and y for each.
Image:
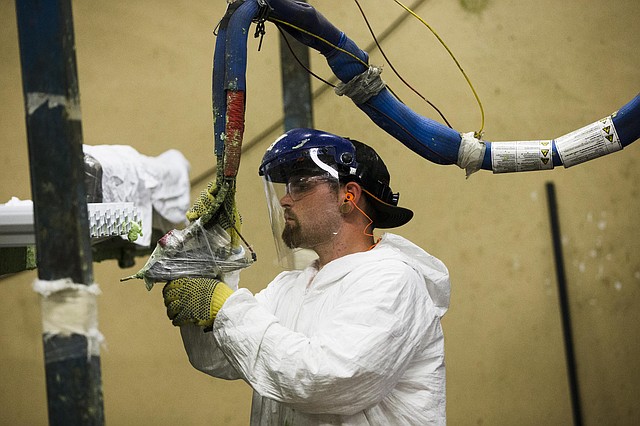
(478, 134)
(319, 38)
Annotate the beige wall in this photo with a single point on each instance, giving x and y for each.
(542, 69)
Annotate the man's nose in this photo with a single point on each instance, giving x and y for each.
(286, 200)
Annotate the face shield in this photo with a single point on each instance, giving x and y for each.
(302, 191)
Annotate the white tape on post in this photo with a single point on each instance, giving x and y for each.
(70, 308)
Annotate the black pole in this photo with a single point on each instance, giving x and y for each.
(564, 305)
(54, 133)
(296, 83)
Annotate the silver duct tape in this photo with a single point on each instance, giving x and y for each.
(470, 153)
(362, 87)
(36, 100)
(70, 308)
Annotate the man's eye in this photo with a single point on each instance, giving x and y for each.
(301, 186)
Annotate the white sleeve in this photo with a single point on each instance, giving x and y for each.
(204, 354)
(361, 349)
(202, 349)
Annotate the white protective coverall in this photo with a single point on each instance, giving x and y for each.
(357, 343)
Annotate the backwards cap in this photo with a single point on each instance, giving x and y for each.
(301, 151)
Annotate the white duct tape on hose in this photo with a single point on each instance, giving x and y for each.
(471, 153)
(363, 86)
(69, 308)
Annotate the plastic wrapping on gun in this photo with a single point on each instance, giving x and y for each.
(194, 251)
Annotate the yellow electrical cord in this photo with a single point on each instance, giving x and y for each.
(477, 134)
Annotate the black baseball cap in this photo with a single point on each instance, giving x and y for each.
(372, 174)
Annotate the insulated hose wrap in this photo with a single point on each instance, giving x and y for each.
(234, 132)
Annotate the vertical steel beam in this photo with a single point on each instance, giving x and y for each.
(296, 84)
(52, 105)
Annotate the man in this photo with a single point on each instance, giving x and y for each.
(355, 337)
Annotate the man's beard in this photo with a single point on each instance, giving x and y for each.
(291, 235)
(294, 236)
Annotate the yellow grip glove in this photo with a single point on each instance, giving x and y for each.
(205, 202)
(194, 300)
(224, 213)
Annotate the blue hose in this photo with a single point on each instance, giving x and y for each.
(627, 121)
(217, 92)
(236, 46)
(426, 137)
(229, 63)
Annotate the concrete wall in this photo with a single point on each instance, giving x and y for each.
(542, 69)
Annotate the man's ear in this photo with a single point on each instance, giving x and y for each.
(352, 192)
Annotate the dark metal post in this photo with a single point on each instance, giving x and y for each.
(52, 105)
(564, 305)
(296, 84)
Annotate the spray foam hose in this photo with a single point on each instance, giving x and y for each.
(428, 138)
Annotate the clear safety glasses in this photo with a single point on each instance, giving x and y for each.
(300, 186)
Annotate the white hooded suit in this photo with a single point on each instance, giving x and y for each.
(357, 343)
